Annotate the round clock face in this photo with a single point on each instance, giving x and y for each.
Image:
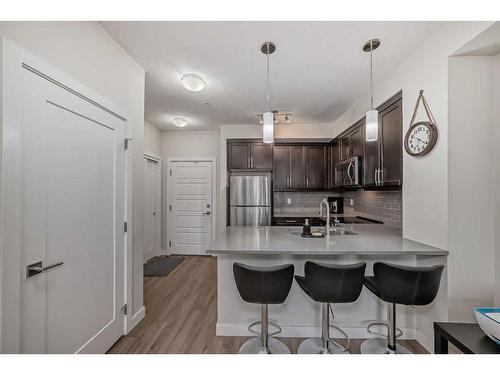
(420, 138)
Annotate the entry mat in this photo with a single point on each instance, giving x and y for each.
(161, 266)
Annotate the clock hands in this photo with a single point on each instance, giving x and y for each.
(418, 139)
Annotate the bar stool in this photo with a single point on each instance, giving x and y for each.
(403, 285)
(265, 286)
(329, 283)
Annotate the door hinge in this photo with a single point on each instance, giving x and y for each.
(127, 140)
(170, 207)
(124, 309)
(169, 243)
(125, 227)
(170, 172)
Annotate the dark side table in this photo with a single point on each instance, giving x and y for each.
(467, 337)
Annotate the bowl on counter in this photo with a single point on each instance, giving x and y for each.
(488, 319)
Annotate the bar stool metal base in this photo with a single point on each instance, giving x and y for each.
(254, 346)
(314, 346)
(379, 346)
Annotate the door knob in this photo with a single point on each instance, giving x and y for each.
(36, 268)
(207, 213)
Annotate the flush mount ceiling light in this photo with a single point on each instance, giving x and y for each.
(267, 49)
(180, 122)
(371, 126)
(193, 82)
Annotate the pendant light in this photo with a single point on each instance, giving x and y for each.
(268, 117)
(371, 120)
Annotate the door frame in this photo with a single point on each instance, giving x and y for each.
(168, 181)
(14, 61)
(153, 157)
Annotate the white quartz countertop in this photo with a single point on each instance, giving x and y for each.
(371, 239)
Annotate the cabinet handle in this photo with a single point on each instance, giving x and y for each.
(376, 176)
(381, 176)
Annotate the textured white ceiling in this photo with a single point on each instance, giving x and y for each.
(317, 70)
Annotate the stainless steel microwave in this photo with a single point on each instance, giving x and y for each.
(348, 172)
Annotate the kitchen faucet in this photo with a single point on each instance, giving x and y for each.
(324, 202)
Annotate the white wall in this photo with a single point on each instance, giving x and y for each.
(152, 139)
(425, 188)
(187, 144)
(88, 54)
(471, 190)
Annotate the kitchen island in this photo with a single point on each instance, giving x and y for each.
(299, 316)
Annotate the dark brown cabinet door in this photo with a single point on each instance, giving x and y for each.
(316, 167)
(345, 147)
(357, 142)
(391, 137)
(238, 155)
(261, 156)
(297, 179)
(281, 167)
(334, 159)
(371, 162)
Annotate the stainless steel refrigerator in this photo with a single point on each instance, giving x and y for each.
(250, 200)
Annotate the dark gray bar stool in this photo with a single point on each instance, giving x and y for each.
(329, 283)
(265, 286)
(403, 285)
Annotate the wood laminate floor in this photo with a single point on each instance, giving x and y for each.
(181, 313)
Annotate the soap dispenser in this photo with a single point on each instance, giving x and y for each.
(306, 229)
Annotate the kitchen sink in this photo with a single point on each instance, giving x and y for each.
(338, 232)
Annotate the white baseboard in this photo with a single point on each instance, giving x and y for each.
(306, 331)
(424, 341)
(137, 317)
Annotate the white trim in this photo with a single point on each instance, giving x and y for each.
(13, 58)
(307, 331)
(424, 341)
(214, 191)
(137, 317)
(159, 205)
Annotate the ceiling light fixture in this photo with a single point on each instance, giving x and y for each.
(180, 122)
(268, 48)
(371, 120)
(193, 82)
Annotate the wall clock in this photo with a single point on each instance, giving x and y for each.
(422, 136)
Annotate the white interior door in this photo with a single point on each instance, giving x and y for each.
(150, 208)
(73, 210)
(190, 206)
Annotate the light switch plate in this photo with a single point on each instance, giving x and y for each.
(351, 202)
(288, 201)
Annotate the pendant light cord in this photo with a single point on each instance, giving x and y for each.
(267, 85)
(371, 74)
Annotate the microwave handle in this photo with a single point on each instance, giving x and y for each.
(349, 172)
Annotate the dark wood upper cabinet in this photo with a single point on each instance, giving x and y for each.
(300, 167)
(297, 179)
(391, 130)
(345, 147)
(281, 167)
(357, 140)
(261, 156)
(238, 155)
(316, 162)
(249, 154)
(383, 158)
(334, 159)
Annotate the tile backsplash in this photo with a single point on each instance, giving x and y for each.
(382, 205)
